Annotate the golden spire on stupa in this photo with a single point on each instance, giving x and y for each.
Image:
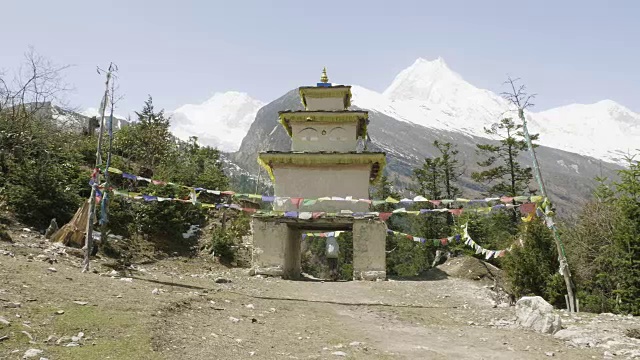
(324, 77)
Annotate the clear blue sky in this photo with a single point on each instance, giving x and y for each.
(184, 51)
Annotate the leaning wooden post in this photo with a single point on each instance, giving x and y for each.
(564, 265)
(88, 243)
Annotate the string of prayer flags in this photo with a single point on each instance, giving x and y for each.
(388, 200)
(479, 249)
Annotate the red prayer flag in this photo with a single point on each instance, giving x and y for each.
(528, 208)
(316, 215)
(455, 212)
(227, 192)
(296, 201)
(443, 241)
(158, 182)
(506, 199)
(249, 210)
(385, 216)
(435, 202)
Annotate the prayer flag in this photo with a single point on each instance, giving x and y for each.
(456, 212)
(528, 208)
(308, 202)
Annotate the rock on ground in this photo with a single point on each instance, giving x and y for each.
(534, 313)
(31, 353)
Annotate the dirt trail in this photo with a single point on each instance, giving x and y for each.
(174, 309)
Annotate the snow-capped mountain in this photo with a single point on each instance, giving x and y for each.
(222, 121)
(605, 130)
(430, 94)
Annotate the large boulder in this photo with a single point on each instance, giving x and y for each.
(534, 313)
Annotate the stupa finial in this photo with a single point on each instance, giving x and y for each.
(324, 77)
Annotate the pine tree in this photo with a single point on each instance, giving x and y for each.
(429, 178)
(148, 142)
(451, 168)
(505, 176)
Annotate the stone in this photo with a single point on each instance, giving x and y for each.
(221, 280)
(550, 353)
(72, 344)
(355, 343)
(53, 227)
(155, 291)
(80, 302)
(31, 353)
(534, 313)
(59, 312)
(4, 321)
(63, 339)
(52, 269)
(339, 353)
(234, 320)
(250, 306)
(27, 335)
(51, 338)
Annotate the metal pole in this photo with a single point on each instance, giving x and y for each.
(564, 265)
(88, 243)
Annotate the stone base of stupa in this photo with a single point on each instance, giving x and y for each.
(277, 245)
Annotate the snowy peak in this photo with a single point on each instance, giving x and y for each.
(221, 121)
(605, 130)
(429, 94)
(422, 80)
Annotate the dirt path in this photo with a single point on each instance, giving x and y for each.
(174, 309)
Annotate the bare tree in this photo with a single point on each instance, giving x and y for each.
(33, 86)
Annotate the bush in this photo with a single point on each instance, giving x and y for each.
(406, 257)
(533, 267)
(223, 241)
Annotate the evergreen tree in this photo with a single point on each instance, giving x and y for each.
(148, 142)
(603, 246)
(451, 168)
(505, 176)
(429, 178)
(382, 190)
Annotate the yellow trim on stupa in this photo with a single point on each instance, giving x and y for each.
(323, 159)
(319, 92)
(286, 117)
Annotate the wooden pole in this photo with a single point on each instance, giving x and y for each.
(88, 243)
(564, 265)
